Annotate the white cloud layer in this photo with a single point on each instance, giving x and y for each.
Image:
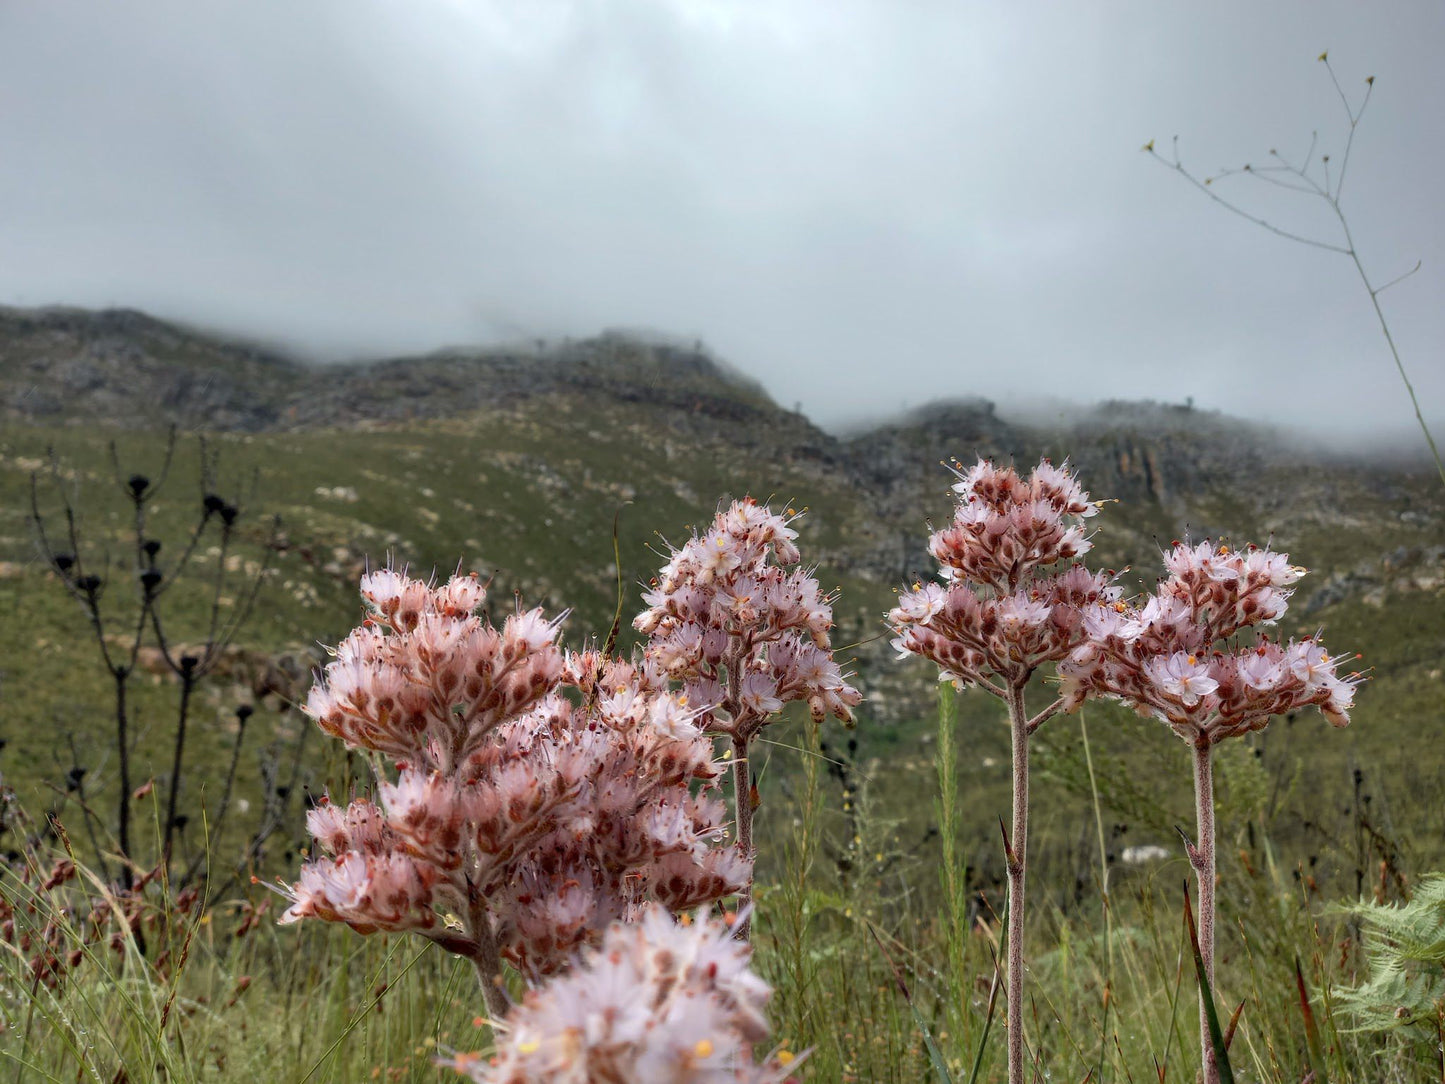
(864, 204)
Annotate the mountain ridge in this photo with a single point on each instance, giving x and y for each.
(127, 370)
(536, 468)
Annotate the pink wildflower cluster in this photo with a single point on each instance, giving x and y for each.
(1176, 656)
(658, 1001)
(1180, 656)
(636, 831)
(518, 824)
(744, 632)
(1001, 612)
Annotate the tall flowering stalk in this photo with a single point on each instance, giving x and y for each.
(744, 629)
(1180, 657)
(658, 1001)
(1000, 614)
(514, 823)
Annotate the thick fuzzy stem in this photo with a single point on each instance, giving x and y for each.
(1203, 861)
(743, 801)
(1017, 856)
(488, 962)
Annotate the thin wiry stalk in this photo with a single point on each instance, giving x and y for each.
(743, 809)
(743, 783)
(121, 662)
(794, 916)
(88, 595)
(1201, 856)
(1017, 852)
(188, 681)
(225, 804)
(1103, 896)
(954, 871)
(89, 814)
(1329, 192)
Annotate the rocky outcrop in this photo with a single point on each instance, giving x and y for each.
(128, 369)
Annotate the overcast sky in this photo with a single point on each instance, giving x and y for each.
(866, 205)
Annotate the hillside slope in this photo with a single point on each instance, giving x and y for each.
(517, 465)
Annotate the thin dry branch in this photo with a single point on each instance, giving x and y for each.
(1329, 191)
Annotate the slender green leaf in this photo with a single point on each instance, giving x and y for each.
(1206, 997)
(1312, 1031)
(992, 1005)
(935, 1056)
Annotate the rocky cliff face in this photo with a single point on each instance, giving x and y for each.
(127, 369)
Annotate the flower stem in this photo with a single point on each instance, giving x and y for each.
(488, 962)
(1374, 293)
(743, 803)
(1202, 860)
(1017, 853)
(1104, 898)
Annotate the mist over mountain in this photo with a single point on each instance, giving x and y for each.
(867, 207)
(1180, 470)
(520, 462)
(131, 369)
(552, 302)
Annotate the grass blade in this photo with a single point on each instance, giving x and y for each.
(1206, 998)
(935, 1056)
(992, 1005)
(1312, 1031)
(1233, 1025)
(361, 1014)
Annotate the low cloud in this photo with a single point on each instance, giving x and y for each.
(864, 205)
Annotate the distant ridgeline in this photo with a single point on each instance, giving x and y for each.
(129, 369)
(1368, 526)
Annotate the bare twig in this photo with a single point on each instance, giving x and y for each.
(1329, 191)
(152, 580)
(1204, 186)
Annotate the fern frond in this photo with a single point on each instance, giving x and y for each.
(1405, 948)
